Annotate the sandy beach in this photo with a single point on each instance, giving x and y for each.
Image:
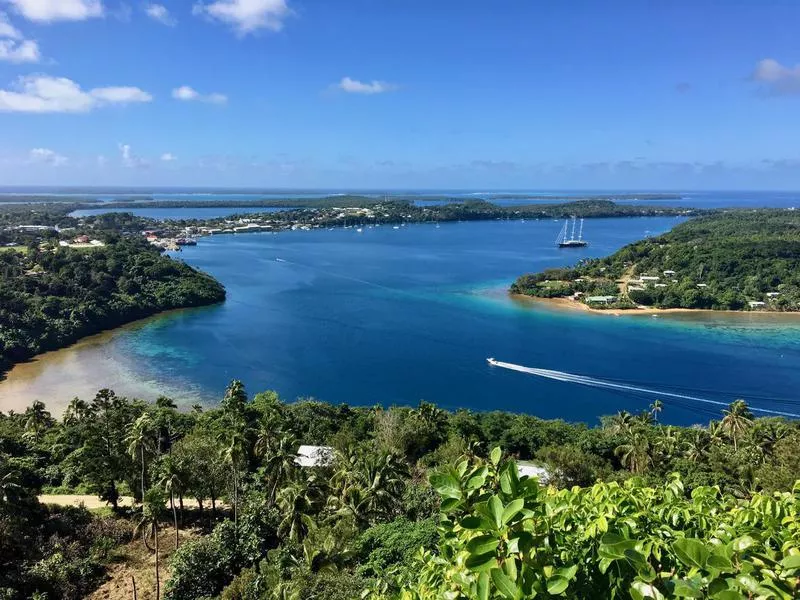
(568, 304)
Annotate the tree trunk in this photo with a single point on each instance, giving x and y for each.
(142, 498)
(158, 581)
(180, 503)
(174, 516)
(133, 581)
(235, 503)
(145, 536)
(213, 508)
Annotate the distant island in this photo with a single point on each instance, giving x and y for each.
(727, 260)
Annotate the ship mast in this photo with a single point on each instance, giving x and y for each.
(572, 237)
(580, 233)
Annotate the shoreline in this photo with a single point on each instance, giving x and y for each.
(570, 305)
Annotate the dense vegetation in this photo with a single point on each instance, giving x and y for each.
(724, 260)
(413, 503)
(51, 296)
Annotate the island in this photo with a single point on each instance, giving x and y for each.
(55, 291)
(737, 260)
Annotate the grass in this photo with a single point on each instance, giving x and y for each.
(22, 249)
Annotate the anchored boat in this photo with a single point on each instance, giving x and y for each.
(566, 240)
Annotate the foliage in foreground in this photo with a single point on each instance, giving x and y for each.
(278, 531)
(506, 537)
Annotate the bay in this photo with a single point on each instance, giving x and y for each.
(393, 316)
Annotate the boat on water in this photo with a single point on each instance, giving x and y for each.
(566, 239)
(491, 361)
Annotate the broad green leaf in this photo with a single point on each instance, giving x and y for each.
(481, 562)
(448, 504)
(691, 552)
(686, 588)
(512, 509)
(473, 522)
(791, 562)
(504, 585)
(720, 562)
(496, 510)
(483, 586)
(567, 573)
(729, 595)
(645, 591)
(495, 455)
(482, 544)
(742, 543)
(446, 485)
(557, 585)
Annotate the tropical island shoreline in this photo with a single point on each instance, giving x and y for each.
(727, 261)
(567, 304)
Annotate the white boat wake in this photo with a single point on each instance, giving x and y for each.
(611, 385)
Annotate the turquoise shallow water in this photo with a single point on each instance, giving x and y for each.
(394, 316)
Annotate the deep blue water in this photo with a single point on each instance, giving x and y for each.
(394, 316)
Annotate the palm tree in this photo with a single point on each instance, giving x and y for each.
(622, 422)
(278, 458)
(77, 410)
(297, 502)
(140, 441)
(635, 454)
(10, 487)
(234, 453)
(655, 409)
(170, 482)
(368, 487)
(152, 509)
(736, 421)
(668, 442)
(37, 419)
(697, 446)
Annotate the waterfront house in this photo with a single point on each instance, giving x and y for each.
(601, 299)
(773, 294)
(649, 278)
(756, 304)
(669, 273)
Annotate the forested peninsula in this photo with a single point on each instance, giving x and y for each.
(265, 500)
(53, 292)
(727, 260)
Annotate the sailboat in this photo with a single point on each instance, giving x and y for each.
(568, 240)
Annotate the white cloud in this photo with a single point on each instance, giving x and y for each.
(131, 160)
(58, 10)
(160, 13)
(188, 94)
(246, 16)
(777, 78)
(47, 156)
(19, 52)
(7, 30)
(44, 94)
(168, 157)
(353, 86)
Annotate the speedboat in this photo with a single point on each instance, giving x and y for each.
(491, 361)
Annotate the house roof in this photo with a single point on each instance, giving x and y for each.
(314, 456)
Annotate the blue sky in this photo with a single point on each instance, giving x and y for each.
(687, 94)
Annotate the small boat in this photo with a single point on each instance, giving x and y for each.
(491, 361)
(359, 230)
(395, 227)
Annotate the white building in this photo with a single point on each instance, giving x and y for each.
(314, 456)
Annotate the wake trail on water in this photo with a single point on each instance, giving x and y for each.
(611, 385)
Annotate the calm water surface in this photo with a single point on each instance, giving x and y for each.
(393, 316)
